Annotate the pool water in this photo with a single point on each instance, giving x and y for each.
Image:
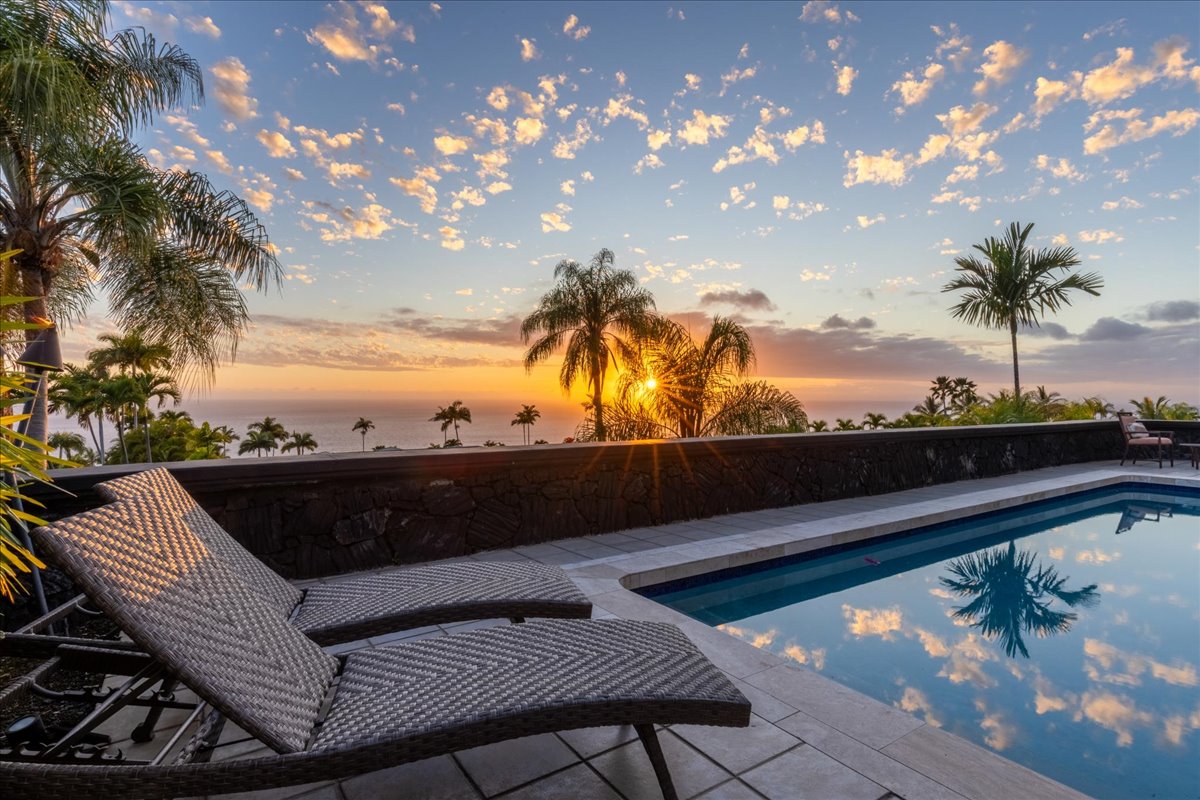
(1064, 635)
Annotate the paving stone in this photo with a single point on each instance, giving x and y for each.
(431, 779)
(324, 790)
(731, 790)
(628, 768)
(970, 770)
(885, 771)
(763, 703)
(808, 774)
(578, 783)
(591, 741)
(498, 767)
(861, 717)
(738, 749)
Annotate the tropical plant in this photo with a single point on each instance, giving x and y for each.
(130, 354)
(1016, 286)
(818, 426)
(300, 442)
(942, 390)
(526, 418)
(362, 426)
(208, 442)
(928, 413)
(1013, 595)
(453, 414)
(845, 425)
(269, 426)
(257, 441)
(689, 388)
(493, 443)
(77, 393)
(874, 421)
(593, 311)
(67, 444)
(86, 207)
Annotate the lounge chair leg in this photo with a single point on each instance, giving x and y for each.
(145, 731)
(516, 620)
(650, 742)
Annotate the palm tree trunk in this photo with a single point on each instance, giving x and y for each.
(1012, 328)
(149, 454)
(364, 435)
(598, 400)
(100, 425)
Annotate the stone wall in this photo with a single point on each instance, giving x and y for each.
(317, 515)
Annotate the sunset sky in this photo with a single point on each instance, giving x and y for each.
(812, 169)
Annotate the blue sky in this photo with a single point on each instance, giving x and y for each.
(812, 169)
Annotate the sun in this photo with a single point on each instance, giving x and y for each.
(651, 383)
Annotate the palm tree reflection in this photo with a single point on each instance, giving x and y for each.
(1013, 595)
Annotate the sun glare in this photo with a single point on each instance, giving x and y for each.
(651, 384)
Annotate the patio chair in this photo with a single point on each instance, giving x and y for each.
(1137, 437)
(328, 718)
(381, 602)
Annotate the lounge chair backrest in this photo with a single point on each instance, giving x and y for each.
(258, 577)
(141, 563)
(1131, 428)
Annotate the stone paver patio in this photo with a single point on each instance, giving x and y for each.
(810, 737)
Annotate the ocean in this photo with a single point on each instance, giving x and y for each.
(404, 422)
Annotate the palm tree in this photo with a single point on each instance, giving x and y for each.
(130, 354)
(120, 395)
(1016, 286)
(928, 413)
(76, 392)
(589, 310)
(689, 388)
(209, 442)
(257, 441)
(269, 427)
(1151, 409)
(1013, 595)
(66, 444)
(362, 426)
(845, 425)
(962, 394)
(84, 206)
(153, 387)
(299, 442)
(440, 416)
(526, 417)
(454, 414)
(819, 426)
(873, 421)
(942, 390)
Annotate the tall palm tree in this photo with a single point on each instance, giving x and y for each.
(455, 413)
(209, 441)
(85, 207)
(526, 418)
(66, 444)
(963, 394)
(942, 390)
(362, 426)
(819, 426)
(928, 413)
(153, 387)
(120, 395)
(130, 354)
(592, 311)
(1016, 286)
(269, 426)
(299, 442)
(257, 441)
(76, 392)
(1013, 595)
(845, 425)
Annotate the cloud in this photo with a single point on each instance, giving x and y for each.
(837, 322)
(498, 98)
(914, 91)
(567, 146)
(556, 220)
(1173, 311)
(656, 140)
(751, 299)
(1049, 94)
(397, 107)
(276, 144)
(845, 79)
(449, 145)
(1100, 236)
(959, 121)
(339, 170)
(1047, 330)
(567, 188)
(1123, 203)
(294, 174)
(1003, 59)
(887, 167)
(347, 40)
(492, 163)
(702, 126)
(815, 11)
(1060, 168)
(528, 130)
(496, 187)
(620, 106)
(340, 224)
(691, 81)
(648, 161)
(866, 222)
(1116, 80)
(421, 187)
(1122, 127)
(204, 26)
(529, 50)
(467, 196)
(1111, 329)
(232, 89)
(735, 75)
(573, 29)
(452, 241)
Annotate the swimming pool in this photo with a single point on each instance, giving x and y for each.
(1064, 635)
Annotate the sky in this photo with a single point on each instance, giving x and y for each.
(811, 169)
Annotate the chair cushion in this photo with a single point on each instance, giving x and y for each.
(1137, 430)
(1154, 440)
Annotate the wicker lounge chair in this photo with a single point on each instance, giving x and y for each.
(379, 603)
(330, 718)
(1137, 437)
